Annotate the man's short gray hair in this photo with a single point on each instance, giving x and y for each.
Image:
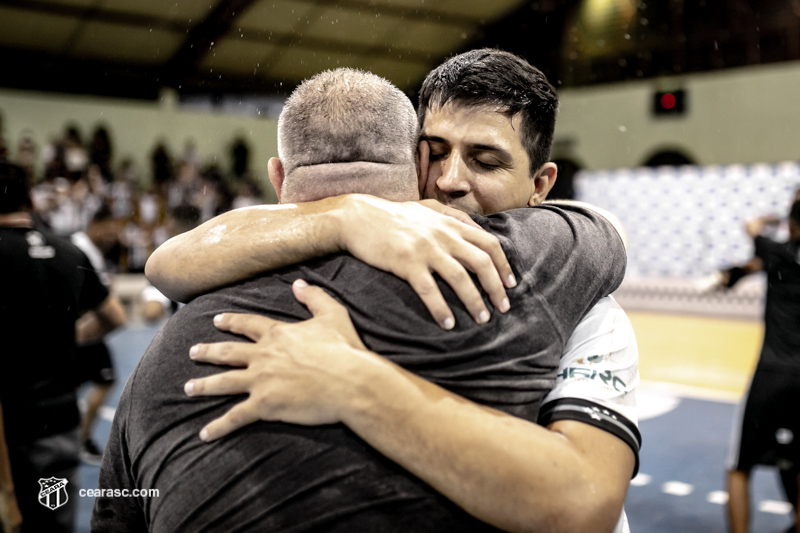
(347, 116)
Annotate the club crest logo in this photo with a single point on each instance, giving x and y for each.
(53, 493)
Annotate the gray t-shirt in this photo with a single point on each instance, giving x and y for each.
(282, 477)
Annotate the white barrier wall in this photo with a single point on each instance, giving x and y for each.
(739, 116)
(688, 221)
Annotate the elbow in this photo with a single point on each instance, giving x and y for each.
(593, 509)
(585, 507)
(157, 269)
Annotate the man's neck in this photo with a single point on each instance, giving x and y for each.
(20, 219)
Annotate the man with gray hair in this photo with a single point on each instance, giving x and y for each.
(347, 126)
(280, 477)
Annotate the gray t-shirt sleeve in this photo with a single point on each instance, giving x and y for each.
(569, 255)
(118, 514)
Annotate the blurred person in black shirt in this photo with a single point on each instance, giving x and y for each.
(769, 430)
(46, 284)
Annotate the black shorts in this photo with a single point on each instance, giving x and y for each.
(93, 363)
(770, 427)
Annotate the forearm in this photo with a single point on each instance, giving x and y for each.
(241, 243)
(6, 481)
(10, 518)
(504, 470)
(107, 317)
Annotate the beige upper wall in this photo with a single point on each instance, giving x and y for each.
(745, 115)
(135, 127)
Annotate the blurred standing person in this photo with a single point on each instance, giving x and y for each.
(76, 159)
(769, 432)
(50, 279)
(162, 171)
(26, 154)
(93, 358)
(101, 151)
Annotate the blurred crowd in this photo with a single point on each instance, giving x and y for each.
(76, 187)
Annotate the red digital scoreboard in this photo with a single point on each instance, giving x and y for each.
(669, 102)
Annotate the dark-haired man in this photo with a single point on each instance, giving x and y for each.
(481, 460)
(46, 283)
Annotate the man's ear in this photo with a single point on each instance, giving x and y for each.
(276, 176)
(543, 181)
(423, 160)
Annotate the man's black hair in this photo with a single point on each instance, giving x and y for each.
(490, 77)
(14, 188)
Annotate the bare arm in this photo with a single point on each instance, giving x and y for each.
(105, 318)
(10, 517)
(411, 240)
(755, 226)
(504, 470)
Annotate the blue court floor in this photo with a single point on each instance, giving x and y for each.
(680, 487)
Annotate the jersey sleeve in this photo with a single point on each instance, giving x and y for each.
(568, 254)
(93, 291)
(598, 375)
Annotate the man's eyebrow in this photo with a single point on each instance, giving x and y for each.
(501, 152)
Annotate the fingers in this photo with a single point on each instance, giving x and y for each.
(226, 383)
(490, 245)
(483, 255)
(455, 275)
(238, 416)
(425, 287)
(323, 305)
(251, 326)
(317, 300)
(223, 353)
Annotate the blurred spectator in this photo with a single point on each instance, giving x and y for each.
(190, 154)
(101, 152)
(212, 196)
(186, 184)
(249, 194)
(93, 358)
(77, 182)
(75, 157)
(240, 155)
(123, 191)
(26, 154)
(162, 166)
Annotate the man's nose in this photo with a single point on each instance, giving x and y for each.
(453, 180)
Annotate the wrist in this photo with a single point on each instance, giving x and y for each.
(372, 381)
(338, 219)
